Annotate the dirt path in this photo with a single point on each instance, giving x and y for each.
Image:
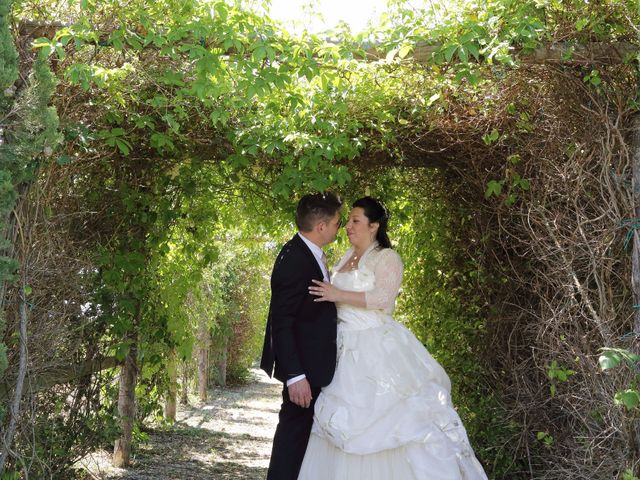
(228, 437)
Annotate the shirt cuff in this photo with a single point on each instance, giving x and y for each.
(293, 380)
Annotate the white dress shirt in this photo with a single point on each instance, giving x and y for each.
(318, 254)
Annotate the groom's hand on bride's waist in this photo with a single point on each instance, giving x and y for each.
(300, 393)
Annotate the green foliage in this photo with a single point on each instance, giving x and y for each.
(32, 134)
(246, 291)
(629, 398)
(28, 132)
(612, 357)
(615, 357)
(199, 124)
(557, 373)
(513, 184)
(489, 138)
(233, 295)
(8, 54)
(545, 438)
(8, 75)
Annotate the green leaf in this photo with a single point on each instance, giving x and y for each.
(489, 138)
(629, 398)
(474, 50)
(462, 54)
(63, 160)
(514, 159)
(609, 360)
(580, 24)
(45, 44)
(161, 141)
(467, 37)
(511, 199)
(259, 53)
(391, 55)
(449, 51)
(122, 350)
(493, 188)
(405, 50)
(123, 146)
(614, 356)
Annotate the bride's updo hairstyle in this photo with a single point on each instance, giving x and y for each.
(376, 212)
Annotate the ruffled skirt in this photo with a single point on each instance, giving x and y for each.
(387, 414)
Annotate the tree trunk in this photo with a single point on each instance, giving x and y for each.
(14, 410)
(126, 407)
(203, 372)
(204, 344)
(170, 405)
(184, 392)
(635, 260)
(220, 367)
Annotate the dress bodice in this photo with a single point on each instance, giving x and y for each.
(358, 280)
(357, 318)
(379, 275)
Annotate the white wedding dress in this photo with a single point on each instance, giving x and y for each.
(387, 414)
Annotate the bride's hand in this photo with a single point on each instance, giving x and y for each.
(324, 291)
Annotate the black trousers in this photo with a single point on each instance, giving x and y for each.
(291, 438)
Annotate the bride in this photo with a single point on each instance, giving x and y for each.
(387, 414)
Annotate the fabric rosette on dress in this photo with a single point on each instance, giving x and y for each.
(387, 414)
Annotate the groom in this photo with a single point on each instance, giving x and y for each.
(301, 334)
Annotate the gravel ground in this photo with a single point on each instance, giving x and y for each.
(228, 437)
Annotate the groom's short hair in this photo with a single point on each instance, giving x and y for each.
(316, 207)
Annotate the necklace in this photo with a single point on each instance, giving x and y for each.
(352, 263)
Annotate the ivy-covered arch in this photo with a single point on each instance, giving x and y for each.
(509, 179)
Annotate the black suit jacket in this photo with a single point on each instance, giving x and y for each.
(301, 334)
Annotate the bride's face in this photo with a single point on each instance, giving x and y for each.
(359, 230)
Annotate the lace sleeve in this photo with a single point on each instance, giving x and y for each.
(388, 277)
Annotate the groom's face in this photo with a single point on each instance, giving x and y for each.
(329, 228)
